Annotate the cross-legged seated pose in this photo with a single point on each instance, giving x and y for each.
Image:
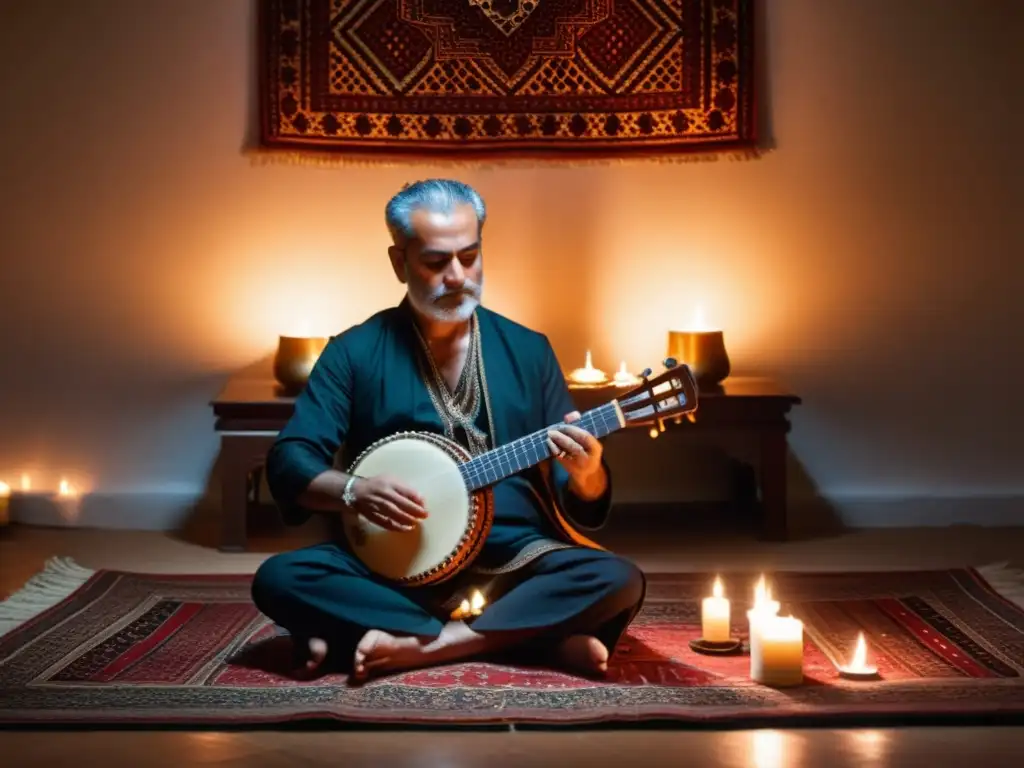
(440, 362)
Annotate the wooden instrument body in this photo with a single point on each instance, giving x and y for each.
(457, 522)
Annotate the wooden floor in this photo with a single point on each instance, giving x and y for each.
(23, 551)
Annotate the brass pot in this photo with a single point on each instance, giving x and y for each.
(704, 352)
(294, 360)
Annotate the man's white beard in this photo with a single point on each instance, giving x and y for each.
(425, 301)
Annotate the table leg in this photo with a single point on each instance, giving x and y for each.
(774, 453)
(234, 494)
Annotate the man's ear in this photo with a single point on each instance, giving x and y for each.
(397, 256)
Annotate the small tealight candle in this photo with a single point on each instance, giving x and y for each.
(472, 607)
(624, 378)
(858, 668)
(779, 658)
(715, 615)
(588, 374)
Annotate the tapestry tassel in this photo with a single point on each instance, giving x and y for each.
(324, 160)
(1007, 581)
(58, 580)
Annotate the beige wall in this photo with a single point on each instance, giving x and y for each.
(872, 261)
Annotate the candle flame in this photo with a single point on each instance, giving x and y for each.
(859, 663)
(26, 482)
(588, 374)
(716, 590)
(763, 602)
(699, 323)
(5, 489)
(65, 488)
(477, 604)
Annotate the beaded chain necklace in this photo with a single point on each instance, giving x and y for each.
(461, 407)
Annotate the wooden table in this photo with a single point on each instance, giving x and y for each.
(249, 413)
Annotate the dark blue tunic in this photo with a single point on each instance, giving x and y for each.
(367, 385)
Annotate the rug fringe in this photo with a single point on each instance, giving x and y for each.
(1007, 581)
(262, 157)
(60, 577)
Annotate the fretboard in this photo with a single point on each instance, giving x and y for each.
(506, 460)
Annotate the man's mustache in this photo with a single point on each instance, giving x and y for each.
(467, 290)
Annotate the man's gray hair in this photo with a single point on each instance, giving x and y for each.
(435, 195)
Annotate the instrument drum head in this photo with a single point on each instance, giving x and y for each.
(428, 465)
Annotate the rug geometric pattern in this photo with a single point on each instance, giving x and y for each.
(498, 79)
(135, 648)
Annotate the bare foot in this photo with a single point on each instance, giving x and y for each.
(317, 655)
(583, 653)
(378, 652)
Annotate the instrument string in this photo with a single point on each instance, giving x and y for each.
(509, 459)
(492, 466)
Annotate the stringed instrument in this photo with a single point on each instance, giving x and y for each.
(456, 487)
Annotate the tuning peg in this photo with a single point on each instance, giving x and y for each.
(645, 373)
(670, 363)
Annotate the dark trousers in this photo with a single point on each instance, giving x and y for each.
(323, 591)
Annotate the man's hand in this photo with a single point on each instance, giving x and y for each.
(580, 453)
(386, 502)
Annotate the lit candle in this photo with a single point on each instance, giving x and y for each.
(588, 374)
(702, 348)
(779, 658)
(715, 615)
(764, 607)
(295, 359)
(5, 503)
(858, 668)
(472, 607)
(624, 378)
(68, 501)
(476, 604)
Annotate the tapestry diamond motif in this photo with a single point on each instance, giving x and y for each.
(497, 79)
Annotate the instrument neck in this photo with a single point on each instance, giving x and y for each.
(530, 450)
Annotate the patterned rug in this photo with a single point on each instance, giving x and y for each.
(125, 648)
(500, 79)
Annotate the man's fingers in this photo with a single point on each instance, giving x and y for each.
(562, 441)
(406, 505)
(379, 518)
(555, 450)
(572, 416)
(581, 436)
(411, 495)
(399, 510)
(387, 515)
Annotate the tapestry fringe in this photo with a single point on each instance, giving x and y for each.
(58, 580)
(261, 157)
(1007, 581)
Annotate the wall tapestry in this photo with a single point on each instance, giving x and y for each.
(498, 80)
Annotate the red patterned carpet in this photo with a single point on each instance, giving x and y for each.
(131, 648)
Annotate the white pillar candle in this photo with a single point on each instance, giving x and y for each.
(715, 616)
(778, 660)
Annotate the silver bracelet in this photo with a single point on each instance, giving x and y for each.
(348, 497)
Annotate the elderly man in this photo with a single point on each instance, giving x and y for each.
(440, 362)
